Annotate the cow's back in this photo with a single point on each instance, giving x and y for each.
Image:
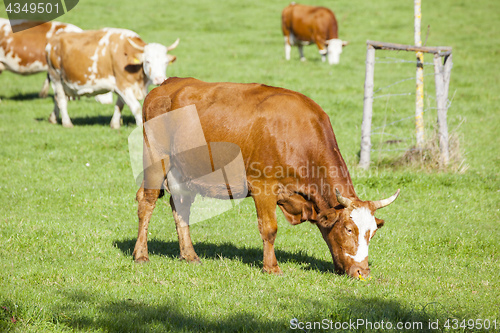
(272, 126)
(24, 51)
(93, 61)
(308, 23)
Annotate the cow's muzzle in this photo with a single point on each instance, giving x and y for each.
(358, 272)
(159, 80)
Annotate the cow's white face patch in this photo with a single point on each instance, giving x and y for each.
(366, 223)
(156, 62)
(334, 51)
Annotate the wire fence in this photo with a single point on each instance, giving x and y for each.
(396, 133)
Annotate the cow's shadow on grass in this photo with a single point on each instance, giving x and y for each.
(22, 97)
(171, 315)
(211, 251)
(94, 120)
(103, 120)
(87, 310)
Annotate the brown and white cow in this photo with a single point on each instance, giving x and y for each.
(23, 52)
(108, 60)
(303, 25)
(291, 159)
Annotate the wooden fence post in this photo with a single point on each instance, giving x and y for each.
(419, 100)
(366, 145)
(442, 81)
(442, 78)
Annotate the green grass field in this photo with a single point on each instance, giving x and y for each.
(68, 216)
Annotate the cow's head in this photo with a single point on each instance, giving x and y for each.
(334, 50)
(348, 229)
(154, 59)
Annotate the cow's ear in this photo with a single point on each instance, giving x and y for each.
(171, 58)
(134, 59)
(328, 218)
(380, 222)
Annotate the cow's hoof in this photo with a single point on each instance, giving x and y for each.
(115, 126)
(68, 125)
(52, 119)
(303, 59)
(192, 260)
(273, 270)
(141, 260)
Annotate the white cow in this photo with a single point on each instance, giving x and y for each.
(108, 60)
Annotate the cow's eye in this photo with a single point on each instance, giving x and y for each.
(348, 230)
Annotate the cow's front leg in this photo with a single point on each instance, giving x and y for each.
(117, 115)
(181, 209)
(60, 105)
(265, 203)
(129, 98)
(322, 49)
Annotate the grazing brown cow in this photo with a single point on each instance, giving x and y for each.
(94, 62)
(291, 159)
(23, 52)
(303, 25)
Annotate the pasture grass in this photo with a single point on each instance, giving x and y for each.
(68, 219)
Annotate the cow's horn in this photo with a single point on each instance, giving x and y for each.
(140, 48)
(345, 43)
(174, 45)
(385, 202)
(343, 201)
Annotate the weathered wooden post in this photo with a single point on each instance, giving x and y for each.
(419, 100)
(366, 145)
(442, 81)
(442, 78)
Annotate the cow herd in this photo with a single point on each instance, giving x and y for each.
(85, 63)
(287, 143)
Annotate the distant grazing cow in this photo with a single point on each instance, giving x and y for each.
(23, 52)
(303, 25)
(291, 158)
(99, 61)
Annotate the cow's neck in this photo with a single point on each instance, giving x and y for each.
(333, 174)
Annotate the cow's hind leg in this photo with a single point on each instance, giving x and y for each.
(45, 88)
(265, 203)
(301, 52)
(181, 212)
(55, 113)
(147, 201)
(60, 105)
(288, 48)
(147, 196)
